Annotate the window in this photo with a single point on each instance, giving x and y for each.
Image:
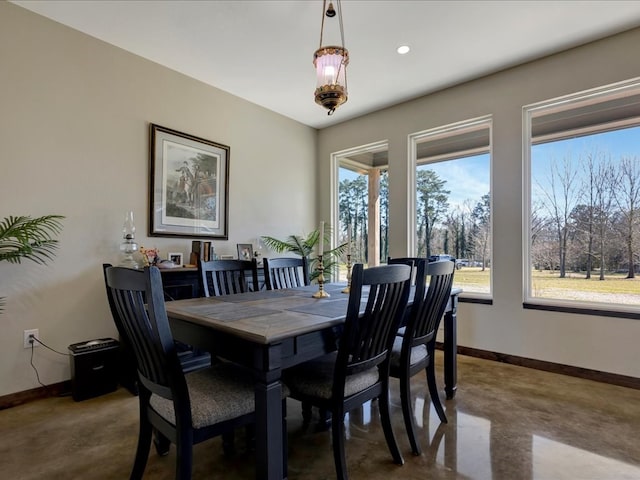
(362, 203)
(452, 204)
(582, 187)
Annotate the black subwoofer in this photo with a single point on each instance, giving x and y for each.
(94, 368)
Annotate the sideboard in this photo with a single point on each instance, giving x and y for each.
(180, 283)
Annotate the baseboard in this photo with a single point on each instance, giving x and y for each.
(596, 375)
(19, 398)
(57, 389)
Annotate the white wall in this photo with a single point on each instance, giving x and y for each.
(605, 344)
(74, 123)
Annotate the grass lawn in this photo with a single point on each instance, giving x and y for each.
(613, 283)
(472, 279)
(615, 288)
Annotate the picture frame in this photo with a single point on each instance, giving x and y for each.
(245, 251)
(176, 258)
(188, 185)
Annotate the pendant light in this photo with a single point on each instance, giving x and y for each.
(331, 65)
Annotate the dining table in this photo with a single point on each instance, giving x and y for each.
(269, 331)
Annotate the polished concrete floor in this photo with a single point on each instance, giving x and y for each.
(506, 422)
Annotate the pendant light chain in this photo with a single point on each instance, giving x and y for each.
(341, 37)
(324, 9)
(340, 21)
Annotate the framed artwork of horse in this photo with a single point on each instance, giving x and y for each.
(188, 185)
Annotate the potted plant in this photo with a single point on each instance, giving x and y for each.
(29, 238)
(305, 246)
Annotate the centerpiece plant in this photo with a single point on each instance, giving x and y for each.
(27, 238)
(305, 247)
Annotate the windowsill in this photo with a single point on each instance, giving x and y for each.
(478, 300)
(600, 312)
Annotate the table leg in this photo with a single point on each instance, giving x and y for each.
(451, 349)
(270, 456)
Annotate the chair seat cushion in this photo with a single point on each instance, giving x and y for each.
(418, 353)
(315, 378)
(219, 393)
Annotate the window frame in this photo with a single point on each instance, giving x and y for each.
(576, 102)
(336, 158)
(450, 130)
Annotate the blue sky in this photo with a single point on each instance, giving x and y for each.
(468, 178)
(613, 145)
(617, 143)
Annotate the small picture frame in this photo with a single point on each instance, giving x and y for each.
(176, 258)
(245, 251)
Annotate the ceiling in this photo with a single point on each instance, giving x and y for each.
(262, 50)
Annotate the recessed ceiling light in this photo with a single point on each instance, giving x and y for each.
(403, 49)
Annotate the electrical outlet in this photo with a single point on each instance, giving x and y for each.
(29, 341)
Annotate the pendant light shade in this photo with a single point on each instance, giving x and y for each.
(331, 66)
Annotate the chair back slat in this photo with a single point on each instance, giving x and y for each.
(139, 301)
(430, 302)
(128, 375)
(282, 273)
(226, 277)
(411, 261)
(368, 334)
(112, 306)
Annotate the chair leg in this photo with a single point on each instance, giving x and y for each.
(161, 443)
(250, 437)
(433, 391)
(306, 413)
(324, 421)
(385, 417)
(144, 442)
(285, 445)
(229, 443)
(184, 454)
(407, 414)
(337, 437)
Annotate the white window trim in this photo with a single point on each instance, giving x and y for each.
(335, 159)
(485, 121)
(529, 112)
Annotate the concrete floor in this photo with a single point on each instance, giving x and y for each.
(506, 422)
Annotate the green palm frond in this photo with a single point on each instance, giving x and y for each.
(329, 262)
(302, 246)
(282, 246)
(29, 238)
(305, 247)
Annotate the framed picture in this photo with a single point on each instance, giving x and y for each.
(188, 185)
(245, 251)
(176, 258)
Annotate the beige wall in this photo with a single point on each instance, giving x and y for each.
(74, 121)
(606, 344)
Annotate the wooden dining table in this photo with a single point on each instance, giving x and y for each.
(268, 331)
